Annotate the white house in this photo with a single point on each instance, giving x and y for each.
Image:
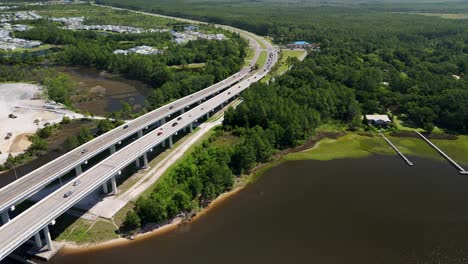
(378, 119)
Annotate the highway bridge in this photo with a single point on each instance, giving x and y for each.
(36, 180)
(150, 130)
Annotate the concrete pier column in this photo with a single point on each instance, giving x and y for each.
(182, 111)
(114, 186)
(37, 238)
(191, 127)
(5, 217)
(104, 187)
(163, 121)
(163, 144)
(145, 161)
(137, 162)
(170, 142)
(112, 149)
(78, 170)
(208, 115)
(140, 133)
(47, 237)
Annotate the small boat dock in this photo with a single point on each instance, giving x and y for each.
(396, 150)
(454, 163)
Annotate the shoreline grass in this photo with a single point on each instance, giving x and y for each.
(357, 146)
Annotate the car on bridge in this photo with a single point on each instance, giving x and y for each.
(160, 133)
(174, 124)
(67, 194)
(179, 118)
(125, 127)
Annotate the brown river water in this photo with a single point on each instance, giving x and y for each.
(99, 92)
(372, 210)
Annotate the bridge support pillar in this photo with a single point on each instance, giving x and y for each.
(163, 143)
(112, 149)
(163, 121)
(5, 217)
(145, 160)
(104, 187)
(170, 142)
(114, 186)
(182, 111)
(137, 163)
(208, 115)
(78, 170)
(191, 127)
(140, 133)
(47, 237)
(37, 238)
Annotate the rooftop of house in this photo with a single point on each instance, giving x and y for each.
(383, 118)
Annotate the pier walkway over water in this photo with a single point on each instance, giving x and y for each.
(396, 150)
(454, 163)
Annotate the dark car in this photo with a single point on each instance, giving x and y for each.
(179, 118)
(174, 124)
(171, 107)
(229, 92)
(126, 126)
(67, 194)
(76, 182)
(159, 133)
(83, 151)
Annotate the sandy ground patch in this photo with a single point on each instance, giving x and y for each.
(20, 143)
(19, 99)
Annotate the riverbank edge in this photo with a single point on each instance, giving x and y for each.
(244, 181)
(175, 223)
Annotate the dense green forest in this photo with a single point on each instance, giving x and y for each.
(395, 62)
(369, 62)
(94, 49)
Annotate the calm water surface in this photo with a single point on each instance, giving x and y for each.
(100, 92)
(373, 210)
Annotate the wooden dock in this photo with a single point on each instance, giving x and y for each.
(454, 163)
(396, 150)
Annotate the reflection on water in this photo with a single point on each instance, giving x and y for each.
(373, 210)
(99, 92)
